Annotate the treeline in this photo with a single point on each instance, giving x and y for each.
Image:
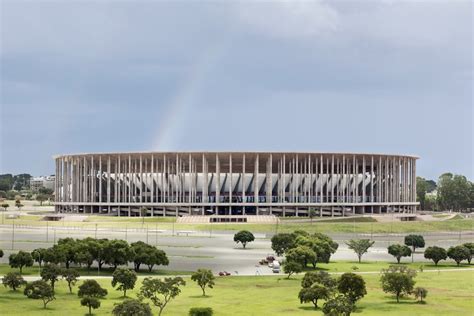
(14, 182)
(55, 264)
(86, 252)
(454, 192)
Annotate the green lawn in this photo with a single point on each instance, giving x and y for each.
(327, 226)
(333, 267)
(105, 271)
(449, 293)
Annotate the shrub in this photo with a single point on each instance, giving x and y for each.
(201, 311)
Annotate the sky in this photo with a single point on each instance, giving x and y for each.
(345, 76)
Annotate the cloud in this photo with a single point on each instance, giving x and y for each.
(289, 19)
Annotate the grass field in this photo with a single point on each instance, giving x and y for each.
(106, 271)
(449, 293)
(333, 267)
(341, 226)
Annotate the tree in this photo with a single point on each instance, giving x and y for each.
(303, 255)
(117, 252)
(45, 191)
(53, 255)
(436, 254)
(352, 286)
(282, 242)
(132, 307)
(1, 253)
(454, 192)
(142, 253)
(38, 255)
(161, 292)
(421, 189)
(470, 246)
(398, 280)
(360, 246)
(5, 206)
(201, 311)
(51, 273)
(90, 302)
(322, 245)
(18, 203)
(71, 276)
(13, 280)
(126, 278)
(90, 291)
(291, 267)
(320, 277)
(90, 249)
(420, 293)
(244, 237)
(338, 306)
(414, 241)
(41, 198)
(20, 260)
(40, 290)
(204, 278)
(66, 248)
(459, 253)
(156, 257)
(399, 251)
(313, 293)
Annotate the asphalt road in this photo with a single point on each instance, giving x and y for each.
(216, 251)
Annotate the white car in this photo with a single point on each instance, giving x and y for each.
(276, 267)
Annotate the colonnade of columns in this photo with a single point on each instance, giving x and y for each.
(249, 179)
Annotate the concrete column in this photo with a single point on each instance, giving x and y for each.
(414, 181)
(100, 179)
(205, 173)
(332, 179)
(255, 181)
(283, 186)
(243, 181)
(363, 180)
(231, 187)
(218, 179)
(108, 179)
(152, 177)
(320, 176)
(372, 181)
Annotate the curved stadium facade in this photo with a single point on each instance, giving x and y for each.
(235, 183)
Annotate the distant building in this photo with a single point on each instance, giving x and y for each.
(42, 182)
(235, 183)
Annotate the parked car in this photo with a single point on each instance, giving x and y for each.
(276, 266)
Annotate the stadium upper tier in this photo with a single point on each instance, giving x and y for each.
(235, 183)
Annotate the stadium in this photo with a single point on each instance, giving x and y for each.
(235, 183)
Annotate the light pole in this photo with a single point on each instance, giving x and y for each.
(98, 263)
(156, 234)
(13, 234)
(146, 232)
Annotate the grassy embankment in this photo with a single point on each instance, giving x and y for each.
(343, 225)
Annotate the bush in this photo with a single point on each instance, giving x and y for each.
(132, 307)
(13, 280)
(420, 293)
(201, 311)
